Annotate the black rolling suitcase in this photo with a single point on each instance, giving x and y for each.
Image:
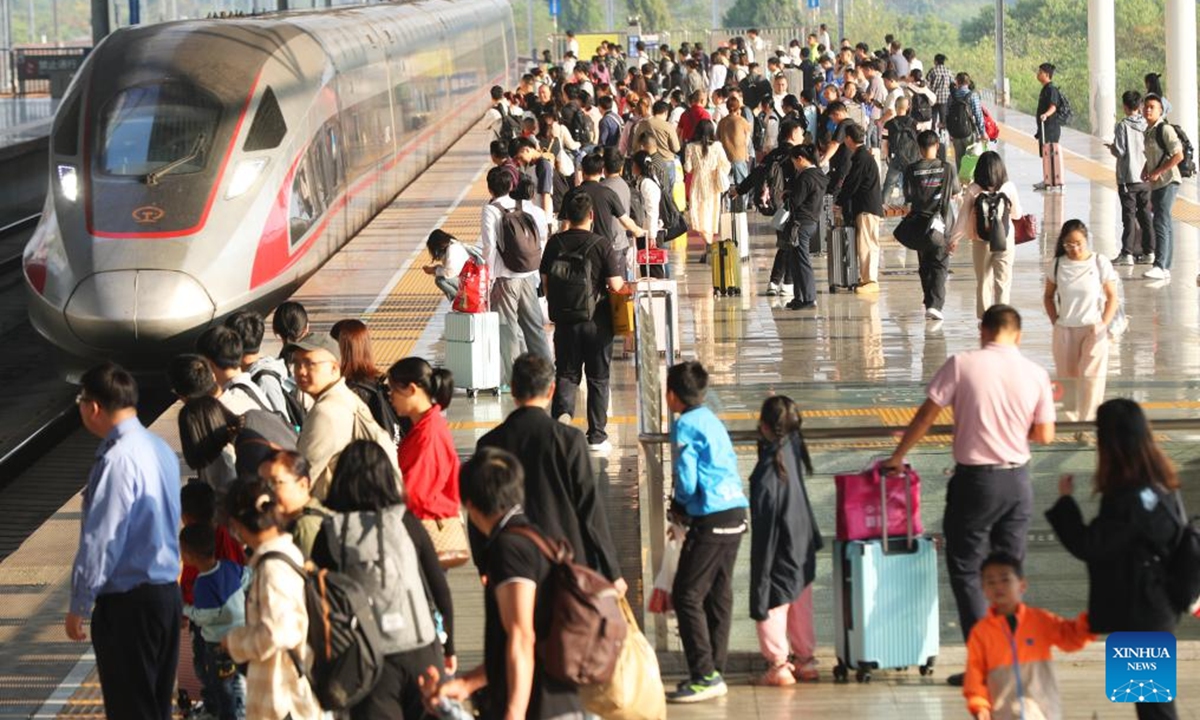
(843, 259)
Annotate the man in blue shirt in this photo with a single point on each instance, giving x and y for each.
(125, 571)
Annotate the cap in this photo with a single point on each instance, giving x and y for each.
(317, 342)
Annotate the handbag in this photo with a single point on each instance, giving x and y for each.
(449, 536)
(1026, 228)
(660, 598)
(635, 691)
(861, 501)
(472, 296)
(913, 232)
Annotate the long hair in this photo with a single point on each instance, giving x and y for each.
(780, 414)
(205, 428)
(364, 480)
(438, 383)
(706, 134)
(1128, 455)
(1154, 84)
(990, 173)
(354, 341)
(1070, 226)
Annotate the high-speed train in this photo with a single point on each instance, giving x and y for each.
(200, 167)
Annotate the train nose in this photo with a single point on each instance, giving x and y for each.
(120, 309)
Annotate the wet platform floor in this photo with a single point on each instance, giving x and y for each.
(854, 361)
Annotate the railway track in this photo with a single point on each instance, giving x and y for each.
(12, 242)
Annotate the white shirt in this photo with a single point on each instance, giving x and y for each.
(489, 235)
(495, 116)
(452, 264)
(719, 73)
(651, 197)
(573, 47)
(916, 64)
(1079, 288)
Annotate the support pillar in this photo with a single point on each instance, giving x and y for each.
(100, 25)
(1001, 73)
(1181, 63)
(1102, 66)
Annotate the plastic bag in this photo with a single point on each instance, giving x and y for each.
(472, 294)
(660, 598)
(636, 689)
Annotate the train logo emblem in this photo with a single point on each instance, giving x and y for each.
(148, 215)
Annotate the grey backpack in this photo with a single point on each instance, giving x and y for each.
(375, 550)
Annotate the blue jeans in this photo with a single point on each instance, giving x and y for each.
(449, 286)
(222, 678)
(895, 174)
(1162, 200)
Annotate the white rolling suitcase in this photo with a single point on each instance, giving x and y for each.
(473, 351)
(658, 308)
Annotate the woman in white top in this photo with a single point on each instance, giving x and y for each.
(449, 256)
(708, 165)
(993, 270)
(650, 191)
(276, 619)
(1081, 300)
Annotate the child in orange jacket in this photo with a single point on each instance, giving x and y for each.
(1009, 658)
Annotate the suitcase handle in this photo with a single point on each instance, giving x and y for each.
(908, 504)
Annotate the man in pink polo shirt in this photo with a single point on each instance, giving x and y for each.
(1001, 402)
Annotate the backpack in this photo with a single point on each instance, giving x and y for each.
(991, 219)
(518, 241)
(1187, 167)
(343, 635)
(1183, 567)
(510, 125)
(387, 568)
(581, 127)
(587, 627)
(919, 107)
(295, 412)
(959, 122)
(252, 388)
(375, 396)
(570, 296)
(904, 145)
(1064, 111)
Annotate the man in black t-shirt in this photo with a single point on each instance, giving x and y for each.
(929, 184)
(517, 607)
(610, 214)
(583, 345)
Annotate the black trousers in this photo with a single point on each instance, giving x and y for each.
(781, 271)
(703, 598)
(578, 348)
(136, 638)
(800, 260)
(987, 510)
(1135, 218)
(398, 696)
(933, 266)
(939, 116)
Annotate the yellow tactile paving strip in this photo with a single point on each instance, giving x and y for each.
(398, 322)
(1185, 210)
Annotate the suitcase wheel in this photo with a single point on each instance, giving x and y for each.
(832, 289)
(841, 673)
(472, 393)
(926, 670)
(496, 392)
(862, 675)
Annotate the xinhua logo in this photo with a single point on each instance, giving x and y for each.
(1140, 667)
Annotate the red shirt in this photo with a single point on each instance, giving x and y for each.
(429, 464)
(689, 120)
(227, 549)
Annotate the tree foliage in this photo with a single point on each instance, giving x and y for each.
(581, 15)
(763, 13)
(654, 14)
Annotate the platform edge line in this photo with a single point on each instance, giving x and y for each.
(67, 688)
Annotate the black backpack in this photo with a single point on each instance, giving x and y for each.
(1183, 567)
(510, 125)
(919, 107)
(992, 211)
(1187, 167)
(904, 144)
(518, 241)
(296, 412)
(375, 396)
(570, 294)
(959, 121)
(343, 635)
(580, 127)
(1063, 110)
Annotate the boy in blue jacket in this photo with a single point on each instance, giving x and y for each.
(709, 500)
(218, 606)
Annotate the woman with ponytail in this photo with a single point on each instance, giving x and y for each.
(784, 541)
(428, 459)
(276, 619)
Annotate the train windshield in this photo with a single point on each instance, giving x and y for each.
(148, 128)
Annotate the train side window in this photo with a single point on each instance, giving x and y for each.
(269, 127)
(66, 140)
(306, 205)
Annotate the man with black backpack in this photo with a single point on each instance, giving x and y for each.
(268, 373)
(1166, 152)
(577, 267)
(512, 235)
(964, 116)
(500, 120)
(929, 186)
(900, 133)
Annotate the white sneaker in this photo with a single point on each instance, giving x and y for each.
(1156, 273)
(600, 448)
(787, 289)
(933, 314)
(1123, 259)
(565, 419)
(772, 289)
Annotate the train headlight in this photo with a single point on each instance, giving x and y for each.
(68, 182)
(244, 176)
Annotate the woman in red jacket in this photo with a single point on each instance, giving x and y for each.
(428, 460)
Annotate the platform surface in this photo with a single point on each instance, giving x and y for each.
(855, 360)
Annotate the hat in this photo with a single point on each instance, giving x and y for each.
(313, 342)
